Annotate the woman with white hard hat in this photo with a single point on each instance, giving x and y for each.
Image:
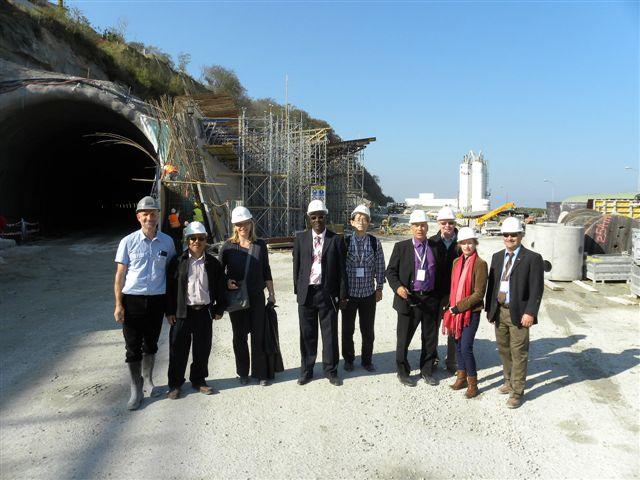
(195, 294)
(466, 299)
(244, 246)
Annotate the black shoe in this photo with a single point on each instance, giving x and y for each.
(304, 379)
(429, 380)
(407, 381)
(335, 380)
(265, 383)
(348, 366)
(369, 368)
(244, 380)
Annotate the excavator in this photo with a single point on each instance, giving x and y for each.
(494, 212)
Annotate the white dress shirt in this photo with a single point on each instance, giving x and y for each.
(315, 278)
(197, 282)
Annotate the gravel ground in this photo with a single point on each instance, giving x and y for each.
(64, 389)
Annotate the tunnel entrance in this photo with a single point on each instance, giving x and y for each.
(52, 173)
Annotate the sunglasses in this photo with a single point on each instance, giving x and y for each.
(196, 238)
(316, 217)
(512, 235)
(444, 222)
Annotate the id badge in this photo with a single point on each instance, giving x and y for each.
(360, 272)
(421, 276)
(504, 286)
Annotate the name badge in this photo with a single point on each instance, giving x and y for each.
(421, 276)
(360, 272)
(504, 286)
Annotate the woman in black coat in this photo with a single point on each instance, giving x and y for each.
(233, 257)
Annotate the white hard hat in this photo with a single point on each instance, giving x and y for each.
(317, 206)
(361, 209)
(147, 203)
(466, 233)
(511, 225)
(173, 210)
(446, 213)
(417, 216)
(240, 214)
(195, 228)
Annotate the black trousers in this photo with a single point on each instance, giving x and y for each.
(318, 308)
(245, 322)
(426, 315)
(142, 324)
(192, 332)
(365, 307)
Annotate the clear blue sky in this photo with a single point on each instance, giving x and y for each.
(544, 89)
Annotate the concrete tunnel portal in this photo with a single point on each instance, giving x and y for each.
(53, 172)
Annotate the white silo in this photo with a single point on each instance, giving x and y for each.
(479, 194)
(464, 195)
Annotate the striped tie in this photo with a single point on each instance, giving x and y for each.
(502, 296)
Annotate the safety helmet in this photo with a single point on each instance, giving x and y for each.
(317, 206)
(466, 233)
(195, 228)
(418, 216)
(173, 210)
(446, 213)
(196, 204)
(240, 214)
(511, 225)
(147, 203)
(363, 209)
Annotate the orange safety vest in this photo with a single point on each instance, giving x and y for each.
(174, 221)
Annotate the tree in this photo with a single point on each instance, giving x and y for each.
(222, 80)
(183, 60)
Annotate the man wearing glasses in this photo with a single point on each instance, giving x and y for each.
(446, 251)
(195, 294)
(320, 283)
(514, 292)
(139, 289)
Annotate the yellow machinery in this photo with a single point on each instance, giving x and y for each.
(494, 212)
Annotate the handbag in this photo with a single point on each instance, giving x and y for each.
(238, 299)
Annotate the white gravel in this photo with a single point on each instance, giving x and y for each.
(63, 393)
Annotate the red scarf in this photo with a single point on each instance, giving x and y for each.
(453, 323)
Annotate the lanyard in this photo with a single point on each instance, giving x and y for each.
(422, 258)
(355, 248)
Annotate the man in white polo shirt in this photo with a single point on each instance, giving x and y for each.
(139, 289)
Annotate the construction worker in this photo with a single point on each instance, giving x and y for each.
(175, 228)
(169, 172)
(197, 213)
(139, 289)
(446, 250)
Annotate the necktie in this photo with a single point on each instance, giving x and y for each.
(314, 279)
(502, 296)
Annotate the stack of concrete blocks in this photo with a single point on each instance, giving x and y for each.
(635, 266)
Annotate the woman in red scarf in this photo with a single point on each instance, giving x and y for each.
(461, 320)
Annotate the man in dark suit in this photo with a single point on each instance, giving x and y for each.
(411, 274)
(320, 283)
(446, 251)
(514, 292)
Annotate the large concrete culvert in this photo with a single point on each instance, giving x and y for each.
(52, 170)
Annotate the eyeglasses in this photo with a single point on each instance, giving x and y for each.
(243, 225)
(316, 217)
(446, 222)
(512, 235)
(198, 238)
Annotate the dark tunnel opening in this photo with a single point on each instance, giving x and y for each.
(53, 173)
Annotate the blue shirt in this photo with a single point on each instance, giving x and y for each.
(504, 264)
(146, 262)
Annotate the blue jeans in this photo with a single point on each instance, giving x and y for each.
(464, 346)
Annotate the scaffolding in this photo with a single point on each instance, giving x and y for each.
(283, 166)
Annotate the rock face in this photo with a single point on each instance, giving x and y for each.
(26, 42)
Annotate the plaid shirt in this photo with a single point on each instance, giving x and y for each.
(361, 254)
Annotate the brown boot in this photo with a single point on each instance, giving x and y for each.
(461, 380)
(472, 389)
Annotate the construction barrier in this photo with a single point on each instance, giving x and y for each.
(20, 230)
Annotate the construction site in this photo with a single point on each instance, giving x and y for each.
(85, 134)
